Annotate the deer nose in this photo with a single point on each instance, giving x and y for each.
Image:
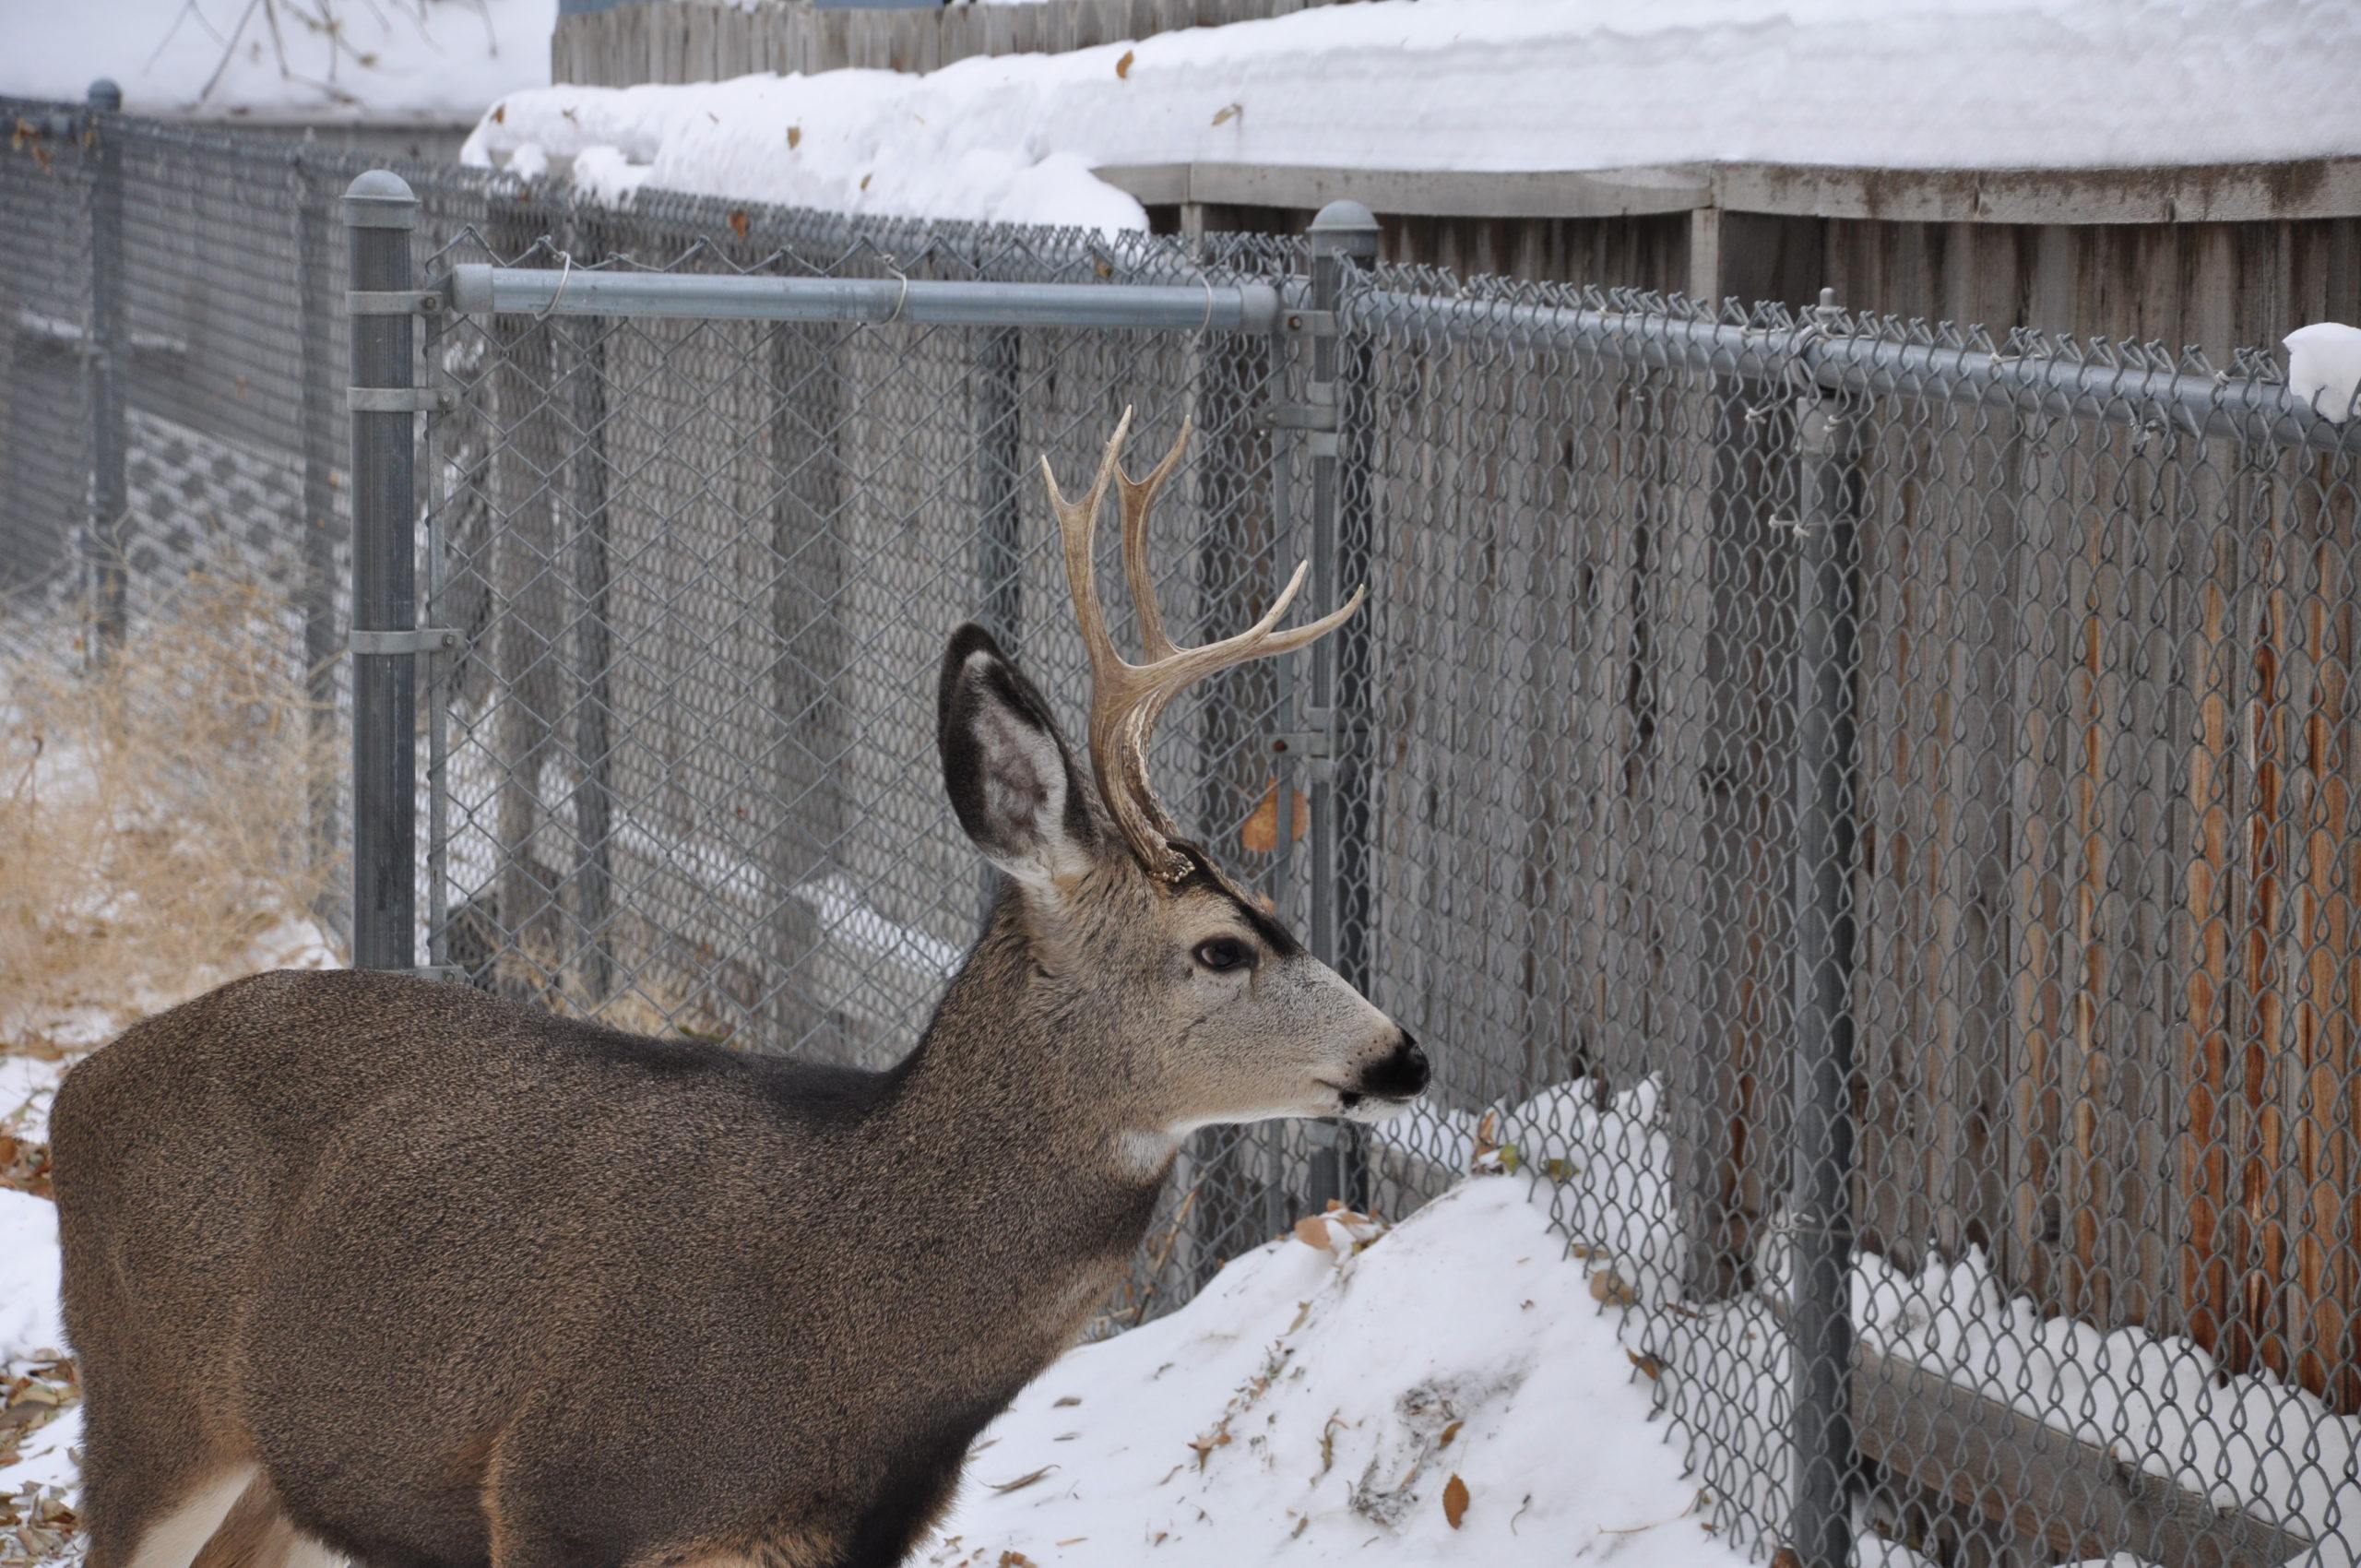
(1401, 1075)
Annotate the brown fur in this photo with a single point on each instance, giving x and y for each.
(477, 1286)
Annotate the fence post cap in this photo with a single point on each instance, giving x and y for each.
(104, 95)
(380, 199)
(1346, 230)
(1344, 217)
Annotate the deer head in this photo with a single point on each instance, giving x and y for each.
(1199, 1002)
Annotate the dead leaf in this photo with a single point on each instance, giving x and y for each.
(1123, 65)
(1073, 1540)
(738, 223)
(794, 138)
(1455, 1500)
(1205, 1447)
(1069, 1399)
(1229, 111)
(866, 178)
(1447, 1433)
(1023, 1481)
(1609, 1287)
(1261, 834)
(500, 115)
(1647, 1365)
(1015, 1560)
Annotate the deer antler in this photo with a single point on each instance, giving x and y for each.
(1126, 699)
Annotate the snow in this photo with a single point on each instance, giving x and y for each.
(1312, 1404)
(434, 60)
(1487, 85)
(28, 1317)
(2324, 367)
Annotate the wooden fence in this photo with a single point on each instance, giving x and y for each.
(697, 41)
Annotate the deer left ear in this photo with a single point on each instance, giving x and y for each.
(1009, 773)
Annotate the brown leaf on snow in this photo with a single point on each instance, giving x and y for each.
(1447, 1433)
(1609, 1287)
(1229, 111)
(500, 115)
(738, 223)
(24, 1166)
(794, 138)
(1123, 65)
(1015, 1560)
(1455, 1500)
(1023, 1481)
(1647, 1365)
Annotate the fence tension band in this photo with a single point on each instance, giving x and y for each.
(421, 640)
(392, 302)
(400, 399)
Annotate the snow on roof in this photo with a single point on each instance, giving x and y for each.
(441, 60)
(1490, 85)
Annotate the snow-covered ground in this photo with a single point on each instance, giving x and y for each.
(1487, 85)
(435, 61)
(1451, 1392)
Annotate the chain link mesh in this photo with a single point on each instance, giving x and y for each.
(1877, 852)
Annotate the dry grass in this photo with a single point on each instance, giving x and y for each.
(155, 812)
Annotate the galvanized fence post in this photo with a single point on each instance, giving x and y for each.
(109, 347)
(314, 280)
(1000, 540)
(1826, 805)
(379, 212)
(1343, 240)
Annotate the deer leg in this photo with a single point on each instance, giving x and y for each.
(257, 1533)
(155, 1526)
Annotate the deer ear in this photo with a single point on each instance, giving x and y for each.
(1009, 777)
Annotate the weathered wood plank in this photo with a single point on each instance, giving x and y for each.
(2043, 1485)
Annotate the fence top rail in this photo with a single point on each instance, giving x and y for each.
(480, 287)
(1824, 348)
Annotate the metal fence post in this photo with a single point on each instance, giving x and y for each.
(1826, 806)
(1000, 540)
(379, 212)
(109, 345)
(1344, 239)
(315, 281)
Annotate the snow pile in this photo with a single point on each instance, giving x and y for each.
(1449, 1392)
(2324, 367)
(1487, 85)
(438, 61)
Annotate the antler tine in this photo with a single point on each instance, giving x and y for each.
(1138, 496)
(1312, 632)
(1078, 530)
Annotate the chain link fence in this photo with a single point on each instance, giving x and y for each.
(1860, 813)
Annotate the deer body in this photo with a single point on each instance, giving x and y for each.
(368, 1265)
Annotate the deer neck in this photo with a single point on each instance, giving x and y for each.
(1020, 1061)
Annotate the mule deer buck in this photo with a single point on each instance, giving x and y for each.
(361, 1265)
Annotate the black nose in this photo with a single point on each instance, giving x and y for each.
(1401, 1074)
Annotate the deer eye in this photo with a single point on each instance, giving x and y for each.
(1225, 953)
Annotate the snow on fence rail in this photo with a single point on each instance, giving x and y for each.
(1863, 810)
